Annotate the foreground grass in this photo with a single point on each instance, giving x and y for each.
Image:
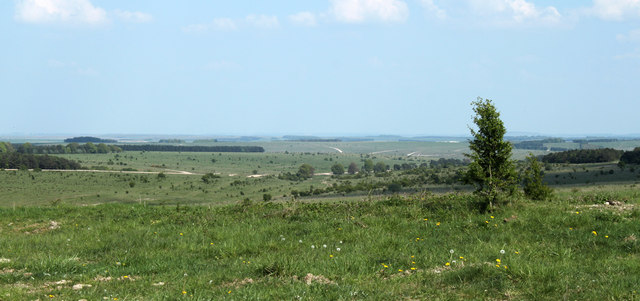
(386, 249)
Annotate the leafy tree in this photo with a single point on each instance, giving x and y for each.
(305, 171)
(353, 168)
(533, 186)
(491, 170)
(266, 197)
(368, 165)
(337, 169)
(380, 167)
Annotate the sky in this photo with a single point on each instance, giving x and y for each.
(332, 67)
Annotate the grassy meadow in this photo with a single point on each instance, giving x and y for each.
(122, 232)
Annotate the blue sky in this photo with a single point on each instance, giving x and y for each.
(333, 67)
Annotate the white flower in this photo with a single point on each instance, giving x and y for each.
(338, 249)
(453, 261)
(324, 246)
(501, 251)
(282, 238)
(313, 247)
(300, 241)
(341, 241)
(451, 251)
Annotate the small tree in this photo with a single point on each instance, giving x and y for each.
(337, 169)
(532, 183)
(380, 167)
(368, 165)
(353, 168)
(266, 197)
(305, 171)
(491, 170)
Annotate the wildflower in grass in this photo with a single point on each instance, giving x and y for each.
(331, 256)
(282, 238)
(505, 267)
(606, 236)
(461, 257)
(339, 229)
(413, 269)
(594, 232)
(384, 265)
(413, 262)
(413, 256)
(400, 270)
(517, 252)
(52, 296)
(181, 234)
(313, 247)
(498, 260)
(438, 224)
(300, 241)
(451, 251)
(125, 276)
(486, 222)
(577, 212)
(492, 216)
(338, 249)
(184, 292)
(501, 251)
(453, 261)
(324, 246)
(229, 292)
(211, 244)
(447, 264)
(426, 219)
(341, 241)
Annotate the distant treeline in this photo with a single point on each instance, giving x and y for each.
(10, 160)
(191, 148)
(171, 141)
(71, 148)
(632, 157)
(315, 140)
(585, 141)
(89, 139)
(205, 140)
(584, 156)
(539, 144)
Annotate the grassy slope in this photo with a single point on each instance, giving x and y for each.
(203, 253)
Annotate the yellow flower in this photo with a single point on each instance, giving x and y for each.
(517, 252)
(412, 256)
(438, 224)
(331, 256)
(413, 262)
(399, 270)
(181, 234)
(594, 232)
(498, 260)
(461, 257)
(606, 236)
(447, 264)
(426, 219)
(497, 265)
(384, 265)
(51, 296)
(577, 212)
(492, 216)
(505, 267)
(184, 292)
(125, 277)
(413, 269)
(229, 292)
(486, 222)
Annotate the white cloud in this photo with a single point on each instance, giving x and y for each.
(136, 17)
(516, 12)
(358, 11)
(65, 11)
(615, 10)
(263, 21)
(218, 24)
(304, 19)
(432, 8)
(632, 36)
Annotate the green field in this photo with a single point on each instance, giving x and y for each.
(119, 231)
(396, 248)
